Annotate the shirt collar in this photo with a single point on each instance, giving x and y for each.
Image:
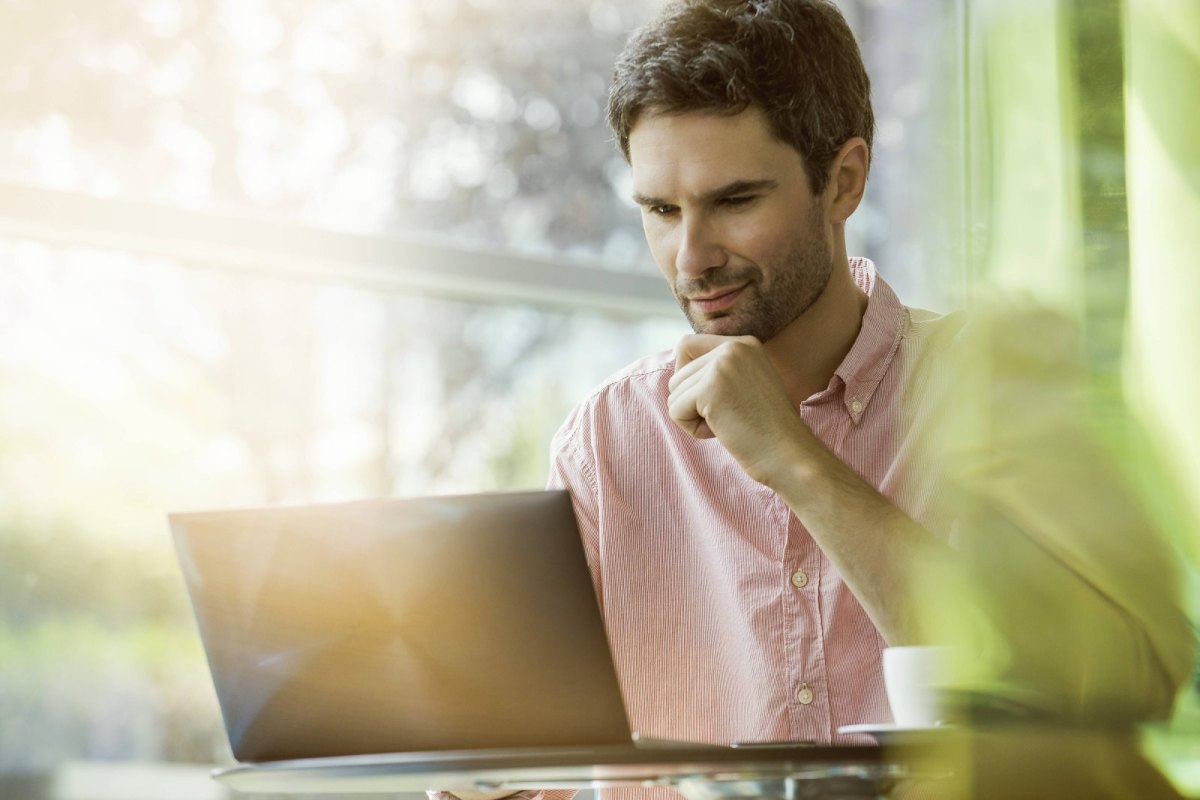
(882, 325)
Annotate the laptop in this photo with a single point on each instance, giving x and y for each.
(401, 625)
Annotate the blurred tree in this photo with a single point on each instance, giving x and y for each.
(474, 119)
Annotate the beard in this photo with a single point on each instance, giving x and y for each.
(797, 279)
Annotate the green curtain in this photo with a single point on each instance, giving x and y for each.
(1162, 358)
(1082, 164)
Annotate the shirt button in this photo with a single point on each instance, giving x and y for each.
(805, 695)
(856, 407)
(799, 579)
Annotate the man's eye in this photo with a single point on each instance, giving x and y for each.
(738, 200)
(662, 211)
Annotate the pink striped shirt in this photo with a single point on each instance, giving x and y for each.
(727, 622)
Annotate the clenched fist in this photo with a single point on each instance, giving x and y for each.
(726, 387)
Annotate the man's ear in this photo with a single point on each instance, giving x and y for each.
(847, 180)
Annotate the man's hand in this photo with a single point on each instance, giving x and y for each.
(726, 387)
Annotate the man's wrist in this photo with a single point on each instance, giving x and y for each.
(813, 481)
(794, 466)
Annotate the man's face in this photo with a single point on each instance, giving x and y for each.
(730, 220)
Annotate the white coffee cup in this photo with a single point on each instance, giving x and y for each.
(913, 677)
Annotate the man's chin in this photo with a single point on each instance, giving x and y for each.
(733, 326)
(720, 326)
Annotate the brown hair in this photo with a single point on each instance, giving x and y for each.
(795, 60)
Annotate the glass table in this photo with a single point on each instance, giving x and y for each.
(989, 762)
(785, 772)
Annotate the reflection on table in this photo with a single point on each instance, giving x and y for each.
(1004, 762)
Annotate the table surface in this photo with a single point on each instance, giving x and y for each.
(576, 768)
(1005, 762)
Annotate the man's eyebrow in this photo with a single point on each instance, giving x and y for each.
(728, 190)
(648, 202)
(739, 187)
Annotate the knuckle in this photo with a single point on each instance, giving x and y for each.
(726, 364)
(741, 345)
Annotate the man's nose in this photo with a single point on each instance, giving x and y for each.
(699, 249)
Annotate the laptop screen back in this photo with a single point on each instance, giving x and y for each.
(442, 623)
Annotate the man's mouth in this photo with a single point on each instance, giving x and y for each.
(716, 301)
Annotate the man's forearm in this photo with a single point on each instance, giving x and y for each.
(728, 388)
(1001, 584)
(879, 550)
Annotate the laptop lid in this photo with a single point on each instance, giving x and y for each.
(439, 623)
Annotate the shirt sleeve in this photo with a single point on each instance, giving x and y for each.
(572, 467)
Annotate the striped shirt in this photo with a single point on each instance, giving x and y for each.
(726, 621)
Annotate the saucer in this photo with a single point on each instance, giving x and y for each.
(889, 733)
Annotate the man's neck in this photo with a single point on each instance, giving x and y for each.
(809, 350)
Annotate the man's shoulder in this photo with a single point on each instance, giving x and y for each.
(645, 378)
(624, 401)
(934, 328)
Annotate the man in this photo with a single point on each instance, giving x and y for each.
(750, 502)
(739, 497)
